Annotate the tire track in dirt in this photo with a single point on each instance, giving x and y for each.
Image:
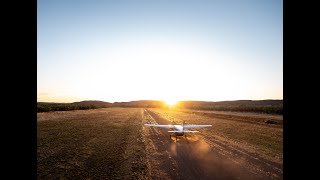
(191, 158)
(252, 161)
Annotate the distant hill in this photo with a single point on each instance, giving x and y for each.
(50, 103)
(232, 103)
(158, 103)
(261, 106)
(141, 104)
(82, 105)
(93, 102)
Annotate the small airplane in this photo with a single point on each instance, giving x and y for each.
(179, 130)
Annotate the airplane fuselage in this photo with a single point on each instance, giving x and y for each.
(180, 129)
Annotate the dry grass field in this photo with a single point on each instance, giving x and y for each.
(112, 143)
(91, 144)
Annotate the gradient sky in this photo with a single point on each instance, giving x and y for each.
(120, 50)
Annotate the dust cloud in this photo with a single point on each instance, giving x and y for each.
(207, 161)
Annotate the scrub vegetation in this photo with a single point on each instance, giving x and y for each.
(262, 106)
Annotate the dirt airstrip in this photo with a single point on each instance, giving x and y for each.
(113, 143)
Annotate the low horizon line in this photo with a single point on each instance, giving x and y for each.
(160, 100)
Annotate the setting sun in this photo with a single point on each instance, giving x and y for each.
(171, 102)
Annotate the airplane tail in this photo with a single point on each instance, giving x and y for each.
(183, 125)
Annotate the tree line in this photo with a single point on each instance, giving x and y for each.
(64, 107)
(268, 109)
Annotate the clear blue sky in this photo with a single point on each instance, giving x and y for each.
(116, 50)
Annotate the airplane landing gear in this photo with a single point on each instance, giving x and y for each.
(175, 136)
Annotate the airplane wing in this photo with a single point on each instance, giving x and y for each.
(160, 126)
(184, 131)
(195, 126)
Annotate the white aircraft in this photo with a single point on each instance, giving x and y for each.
(179, 130)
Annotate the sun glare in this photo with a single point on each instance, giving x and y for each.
(171, 102)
